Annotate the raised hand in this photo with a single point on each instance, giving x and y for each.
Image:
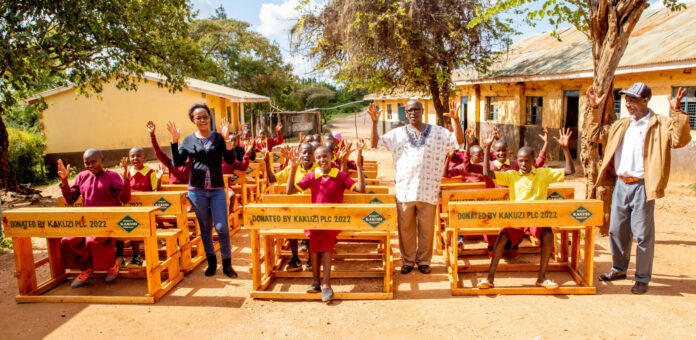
(279, 126)
(176, 133)
(496, 133)
(545, 136)
(373, 112)
(469, 134)
(302, 137)
(488, 140)
(286, 150)
(160, 171)
(294, 156)
(150, 127)
(225, 128)
(454, 111)
(124, 168)
(260, 143)
(248, 146)
(564, 137)
(360, 145)
(594, 98)
(674, 102)
(63, 171)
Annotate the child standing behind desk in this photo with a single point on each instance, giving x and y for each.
(327, 184)
(526, 184)
(98, 188)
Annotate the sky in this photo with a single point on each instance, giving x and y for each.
(274, 18)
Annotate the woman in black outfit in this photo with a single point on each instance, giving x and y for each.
(206, 189)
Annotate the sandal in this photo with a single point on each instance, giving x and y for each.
(548, 284)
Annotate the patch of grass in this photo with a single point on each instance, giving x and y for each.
(693, 187)
(5, 242)
(341, 115)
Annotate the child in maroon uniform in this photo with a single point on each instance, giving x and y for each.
(327, 184)
(177, 175)
(141, 178)
(98, 188)
(268, 142)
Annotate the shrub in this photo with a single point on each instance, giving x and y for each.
(26, 156)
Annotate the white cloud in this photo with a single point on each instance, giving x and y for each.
(276, 20)
(204, 8)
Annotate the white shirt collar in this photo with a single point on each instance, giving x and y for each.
(643, 120)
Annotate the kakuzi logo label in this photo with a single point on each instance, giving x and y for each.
(374, 219)
(555, 196)
(581, 214)
(375, 201)
(128, 223)
(163, 204)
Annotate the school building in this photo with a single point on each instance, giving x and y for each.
(541, 82)
(114, 121)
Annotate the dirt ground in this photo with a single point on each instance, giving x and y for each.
(218, 307)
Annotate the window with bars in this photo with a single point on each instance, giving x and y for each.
(617, 103)
(492, 108)
(534, 110)
(688, 103)
(389, 111)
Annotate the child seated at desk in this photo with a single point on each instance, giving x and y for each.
(327, 184)
(98, 188)
(528, 183)
(142, 179)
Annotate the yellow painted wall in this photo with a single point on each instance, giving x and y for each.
(117, 120)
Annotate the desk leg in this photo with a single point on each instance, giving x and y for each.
(24, 264)
(154, 280)
(184, 239)
(564, 246)
(453, 254)
(388, 268)
(575, 250)
(255, 259)
(588, 271)
(55, 257)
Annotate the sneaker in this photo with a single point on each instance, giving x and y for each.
(294, 265)
(136, 262)
(308, 267)
(639, 288)
(112, 273)
(327, 294)
(314, 288)
(81, 279)
(548, 284)
(122, 264)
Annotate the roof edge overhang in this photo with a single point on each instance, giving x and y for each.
(581, 74)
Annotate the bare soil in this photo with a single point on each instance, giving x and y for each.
(218, 307)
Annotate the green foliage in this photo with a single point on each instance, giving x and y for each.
(87, 43)
(5, 242)
(405, 44)
(238, 57)
(693, 187)
(25, 156)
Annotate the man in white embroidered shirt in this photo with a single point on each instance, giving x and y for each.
(637, 151)
(419, 152)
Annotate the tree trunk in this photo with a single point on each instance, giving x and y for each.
(437, 101)
(610, 27)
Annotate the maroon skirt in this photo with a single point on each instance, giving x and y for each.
(321, 241)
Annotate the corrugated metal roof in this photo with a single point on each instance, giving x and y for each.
(660, 37)
(395, 95)
(191, 83)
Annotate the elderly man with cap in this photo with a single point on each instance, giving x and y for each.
(636, 159)
(419, 152)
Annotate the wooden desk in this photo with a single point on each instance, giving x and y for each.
(268, 222)
(574, 216)
(173, 208)
(118, 222)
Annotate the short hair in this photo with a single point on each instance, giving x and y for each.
(500, 142)
(309, 145)
(93, 152)
(526, 150)
(322, 148)
(414, 101)
(197, 106)
(137, 149)
(475, 148)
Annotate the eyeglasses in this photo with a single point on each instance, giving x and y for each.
(414, 110)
